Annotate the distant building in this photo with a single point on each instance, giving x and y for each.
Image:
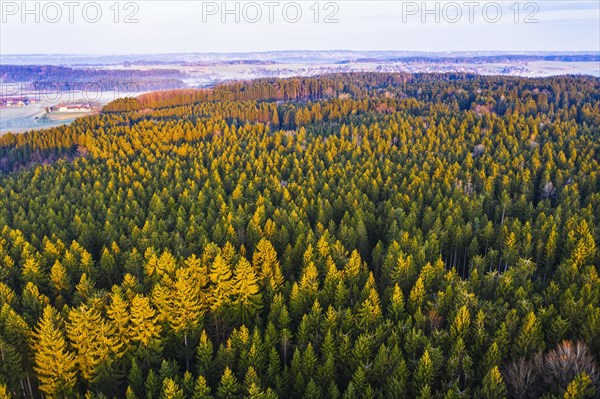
(72, 108)
(16, 101)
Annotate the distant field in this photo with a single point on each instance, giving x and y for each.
(34, 116)
(546, 68)
(21, 119)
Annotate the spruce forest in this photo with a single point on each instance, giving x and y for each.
(349, 236)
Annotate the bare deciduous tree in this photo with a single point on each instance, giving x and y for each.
(561, 365)
(549, 190)
(521, 379)
(551, 372)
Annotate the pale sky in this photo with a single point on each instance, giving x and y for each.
(197, 26)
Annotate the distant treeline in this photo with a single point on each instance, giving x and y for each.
(50, 73)
(132, 86)
(48, 77)
(268, 89)
(372, 85)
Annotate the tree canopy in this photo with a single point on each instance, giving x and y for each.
(355, 235)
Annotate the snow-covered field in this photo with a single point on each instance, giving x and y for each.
(34, 116)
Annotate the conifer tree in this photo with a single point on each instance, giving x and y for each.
(136, 379)
(221, 289)
(423, 376)
(11, 370)
(118, 313)
(581, 388)
(245, 291)
(54, 364)
(204, 355)
(183, 309)
(97, 346)
(267, 265)
(530, 338)
(201, 390)
(171, 390)
(145, 331)
(229, 388)
(493, 385)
